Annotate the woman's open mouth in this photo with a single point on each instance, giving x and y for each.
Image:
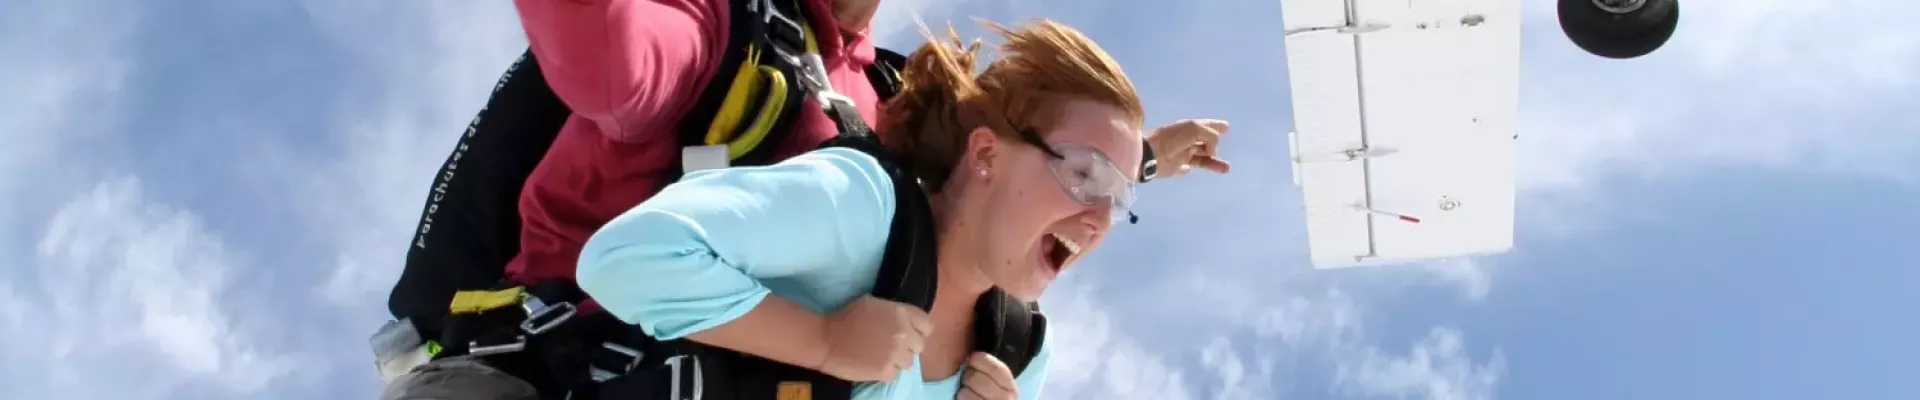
(1059, 250)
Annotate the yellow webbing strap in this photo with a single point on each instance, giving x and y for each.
(746, 81)
(807, 32)
(751, 78)
(756, 133)
(478, 301)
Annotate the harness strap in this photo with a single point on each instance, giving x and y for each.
(468, 227)
(814, 81)
(540, 338)
(1008, 328)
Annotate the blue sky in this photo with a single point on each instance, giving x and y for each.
(210, 198)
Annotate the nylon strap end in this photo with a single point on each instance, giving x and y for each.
(696, 158)
(478, 301)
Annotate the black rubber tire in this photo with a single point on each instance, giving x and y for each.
(1619, 36)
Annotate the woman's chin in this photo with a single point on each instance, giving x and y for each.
(1025, 294)
(1030, 287)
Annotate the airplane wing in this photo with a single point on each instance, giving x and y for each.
(1404, 118)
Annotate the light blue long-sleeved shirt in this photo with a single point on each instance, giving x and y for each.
(706, 250)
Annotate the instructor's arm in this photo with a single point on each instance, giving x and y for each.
(689, 261)
(625, 63)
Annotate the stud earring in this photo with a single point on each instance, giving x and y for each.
(983, 172)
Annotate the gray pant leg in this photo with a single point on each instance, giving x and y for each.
(457, 378)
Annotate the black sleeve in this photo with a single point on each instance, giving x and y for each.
(470, 225)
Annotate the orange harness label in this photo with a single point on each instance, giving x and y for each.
(796, 391)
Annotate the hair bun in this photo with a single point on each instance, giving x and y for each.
(936, 83)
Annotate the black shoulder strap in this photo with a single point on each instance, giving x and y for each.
(884, 74)
(907, 272)
(470, 227)
(906, 275)
(1010, 329)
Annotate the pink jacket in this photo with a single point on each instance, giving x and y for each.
(630, 69)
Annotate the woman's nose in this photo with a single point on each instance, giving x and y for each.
(1099, 216)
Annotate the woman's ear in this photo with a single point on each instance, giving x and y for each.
(982, 147)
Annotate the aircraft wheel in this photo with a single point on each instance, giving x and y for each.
(1617, 28)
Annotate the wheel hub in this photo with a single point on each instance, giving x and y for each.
(1619, 6)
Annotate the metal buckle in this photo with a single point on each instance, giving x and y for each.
(773, 19)
(813, 72)
(542, 317)
(698, 383)
(475, 349)
(813, 76)
(832, 100)
(632, 356)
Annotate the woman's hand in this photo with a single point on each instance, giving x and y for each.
(987, 379)
(873, 339)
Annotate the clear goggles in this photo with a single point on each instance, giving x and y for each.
(1089, 177)
(1086, 173)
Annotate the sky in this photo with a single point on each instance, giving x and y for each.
(209, 199)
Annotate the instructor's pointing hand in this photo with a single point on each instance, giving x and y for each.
(1187, 144)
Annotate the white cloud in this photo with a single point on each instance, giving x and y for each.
(141, 294)
(13, 314)
(1335, 327)
(1470, 275)
(136, 294)
(112, 296)
(1257, 344)
(1092, 359)
(1436, 368)
(1819, 87)
(1224, 361)
(66, 64)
